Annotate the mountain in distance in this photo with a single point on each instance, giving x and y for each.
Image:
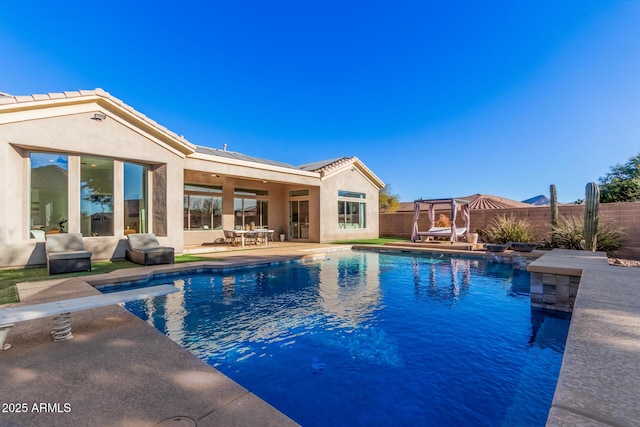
(540, 200)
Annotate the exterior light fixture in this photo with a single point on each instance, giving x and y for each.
(99, 117)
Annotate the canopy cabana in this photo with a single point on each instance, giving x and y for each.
(434, 231)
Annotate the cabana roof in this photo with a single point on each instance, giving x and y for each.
(442, 201)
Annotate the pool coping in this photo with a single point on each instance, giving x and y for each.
(597, 385)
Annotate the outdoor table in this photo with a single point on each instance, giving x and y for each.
(241, 233)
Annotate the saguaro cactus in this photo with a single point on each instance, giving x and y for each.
(554, 211)
(591, 210)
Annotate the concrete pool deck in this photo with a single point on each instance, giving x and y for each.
(119, 371)
(598, 383)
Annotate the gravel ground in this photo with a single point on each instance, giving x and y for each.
(624, 262)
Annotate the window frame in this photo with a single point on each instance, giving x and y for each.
(214, 192)
(348, 203)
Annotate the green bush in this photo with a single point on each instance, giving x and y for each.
(569, 234)
(503, 229)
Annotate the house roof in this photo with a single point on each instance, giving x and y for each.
(328, 167)
(239, 156)
(38, 102)
(488, 201)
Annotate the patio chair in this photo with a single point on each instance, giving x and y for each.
(263, 236)
(230, 237)
(66, 254)
(145, 249)
(251, 238)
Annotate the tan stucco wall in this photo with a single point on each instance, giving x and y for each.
(67, 126)
(349, 179)
(75, 133)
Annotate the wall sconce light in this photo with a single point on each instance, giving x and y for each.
(99, 117)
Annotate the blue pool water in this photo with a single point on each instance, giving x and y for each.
(366, 338)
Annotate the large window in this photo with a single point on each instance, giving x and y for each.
(49, 194)
(135, 198)
(251, 207)
(96, 196)
(351, 213)
(202, 207)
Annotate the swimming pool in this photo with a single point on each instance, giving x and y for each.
(367, 338)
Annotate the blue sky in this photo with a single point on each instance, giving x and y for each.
(439, 99)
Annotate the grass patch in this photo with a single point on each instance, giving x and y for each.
(9, 278)
(378, 241)
(192, 258)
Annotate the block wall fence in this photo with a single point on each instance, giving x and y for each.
(625, 215)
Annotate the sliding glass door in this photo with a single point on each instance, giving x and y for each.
(299, 219)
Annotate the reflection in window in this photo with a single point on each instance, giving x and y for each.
(351, 194)
(202, 207)
(298, 193)
(135, 198)
(49, 194)
(96, 196)
(250, 211)
(351, 214)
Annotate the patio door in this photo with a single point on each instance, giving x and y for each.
(299, 219)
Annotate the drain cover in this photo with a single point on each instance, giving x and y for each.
(177, 422)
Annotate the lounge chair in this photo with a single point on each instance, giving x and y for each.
(146, 250)
(66, 254)
(441, 232)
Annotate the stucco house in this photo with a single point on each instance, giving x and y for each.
(84, 161)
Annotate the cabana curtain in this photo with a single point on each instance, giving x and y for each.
(416, 216)
(466, 214)
(454, 213)
(431, 215)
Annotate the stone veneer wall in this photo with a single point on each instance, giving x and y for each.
(160, 200)
(519, 261)
(554, 291)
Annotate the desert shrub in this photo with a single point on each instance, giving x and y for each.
(569, 234)
(503, 229)
(442, 221)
